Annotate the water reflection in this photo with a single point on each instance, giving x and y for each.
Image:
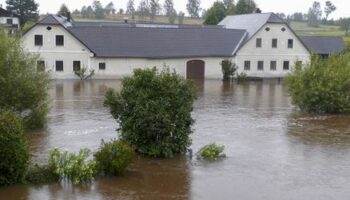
(332, 130)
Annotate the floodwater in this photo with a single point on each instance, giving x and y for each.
(273, 151)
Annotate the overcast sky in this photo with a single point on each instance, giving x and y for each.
(286, 6)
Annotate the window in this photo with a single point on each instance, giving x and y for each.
(286, 65)
(290, 43)
(59, 40)
(76, 65)
(258, 42)
(38, 39)
(9, 21)
(274, 43)
(273, 65)
(59, 66)
(247, 65)
(260, 65)
(40, 66)
(267, 29)
(102, 66)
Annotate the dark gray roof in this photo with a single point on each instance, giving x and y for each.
(158, 42)
(55, 20)
(323, 44)
(250, 22)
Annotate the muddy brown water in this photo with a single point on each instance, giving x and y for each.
(273, 151)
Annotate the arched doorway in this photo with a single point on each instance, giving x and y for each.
(195, 69)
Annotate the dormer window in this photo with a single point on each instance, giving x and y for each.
(267, 29)
(258, 42)
(59, 40)
(283, 29)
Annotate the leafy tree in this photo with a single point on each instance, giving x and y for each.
(154, 111)
(193, 8)
(170, 11)
(64, 11)
(281, 15)
(154, 8)
(98, 10)
(26, 9)
(143, 9)
(76, 12)
(322, 86)
(215, 14)
(130, 8)
(330, 7)
(83, 11)
(24, 90)
(228, 69)
(14, 151)
(345, 25)
(245, 7)
(90, 12)
(229, 4)
(298, 16)
(168, 7)
(110, 9)
(314, 14)
(181, 17)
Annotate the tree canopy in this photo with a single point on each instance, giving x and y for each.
(64, 11)
(193, 8)
(215, 14)
(26, 9)
(314, 14)
(245, 7)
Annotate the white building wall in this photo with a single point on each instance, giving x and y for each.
(249, 52)
(121, 67)
(72, 50)
(15, 20)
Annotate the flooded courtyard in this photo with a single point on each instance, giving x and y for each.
(273, 151)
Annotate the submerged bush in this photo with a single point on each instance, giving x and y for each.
(113, 157)
(228, 69)
(154, 111)
(40, 174)
(211, 152)
(23, 89)
(323, 86)
(14, 151)
(75, 168)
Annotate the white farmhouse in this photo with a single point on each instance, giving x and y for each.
(9, 21)
(261, 45)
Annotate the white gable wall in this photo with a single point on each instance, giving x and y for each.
(73, 50)
(249, 52)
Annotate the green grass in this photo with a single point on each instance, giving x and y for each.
(301, 28)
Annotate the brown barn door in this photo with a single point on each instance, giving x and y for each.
(195, 69)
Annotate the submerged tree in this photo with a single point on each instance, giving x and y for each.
(26, 9)
(24, 89)
(323, 86)
(154, 111)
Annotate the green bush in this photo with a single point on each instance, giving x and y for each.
(211, 152)
(14, 151)
(323, 86)
(154, 111)
(71, 167)
(228, 69)
(24, 90)
(242, 76)
(40, 175)
(113, 157)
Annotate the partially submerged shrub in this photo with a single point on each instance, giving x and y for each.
(242, 76)
(113, 157)
(75, 168)
(24, 90)
(154, 111)
(211, 152)
(84, 74)
(40, 175)
(14, 151)
(228, 69)
(323, 86)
